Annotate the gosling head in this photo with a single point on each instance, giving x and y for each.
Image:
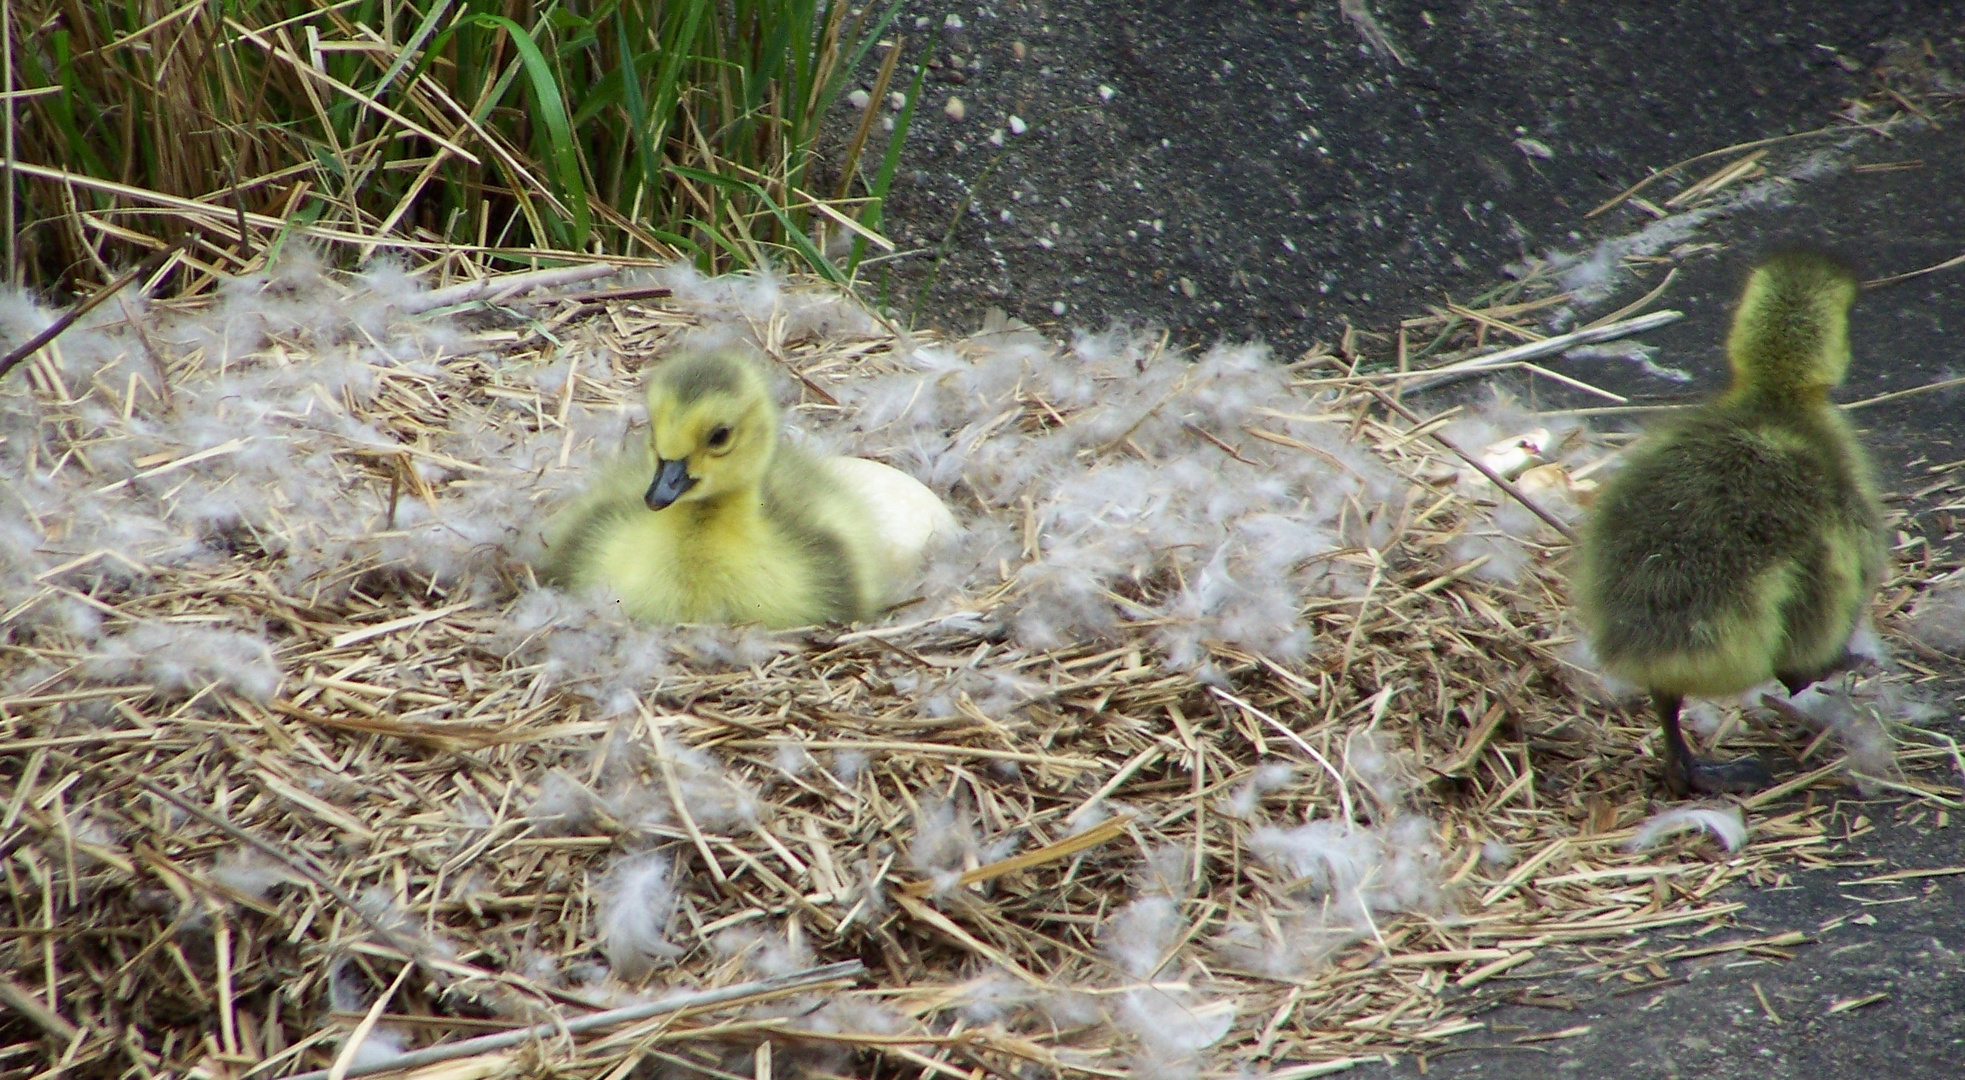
(713, 427)
(1791, 333)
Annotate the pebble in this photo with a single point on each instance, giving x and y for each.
(1105, 92)
(897, 101)
(859, 98)
(1057, 307)
(1017, 126)
(996, 137)
(955, 109)
(1535, 148)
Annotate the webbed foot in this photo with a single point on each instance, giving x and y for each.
(1704, 776)
(1686, 774)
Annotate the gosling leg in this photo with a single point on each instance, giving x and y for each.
(1686, 774)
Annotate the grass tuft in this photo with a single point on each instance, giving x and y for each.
(469, 132)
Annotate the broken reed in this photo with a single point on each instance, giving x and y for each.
(673, 127)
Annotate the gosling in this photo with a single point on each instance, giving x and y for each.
(1744, 541)
(718, 519)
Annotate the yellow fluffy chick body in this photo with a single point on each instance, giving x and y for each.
(1742, 542)
(718, 519)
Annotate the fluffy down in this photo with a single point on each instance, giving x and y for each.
(718, 518)
(1724, 822)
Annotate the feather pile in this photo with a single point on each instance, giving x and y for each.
(272, 554)
(1145, 498)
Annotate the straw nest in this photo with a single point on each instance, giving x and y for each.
(1242, 727)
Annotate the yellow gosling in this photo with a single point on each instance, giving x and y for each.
(718, 519)
(1743, 541)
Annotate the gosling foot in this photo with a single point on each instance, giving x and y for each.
(1703, 776)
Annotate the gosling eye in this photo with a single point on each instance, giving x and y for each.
(719, 436)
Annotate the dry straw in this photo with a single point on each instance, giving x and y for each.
(408, 819)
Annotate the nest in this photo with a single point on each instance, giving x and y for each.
(1242, 728)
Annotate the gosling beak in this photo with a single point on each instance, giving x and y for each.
(671, 480)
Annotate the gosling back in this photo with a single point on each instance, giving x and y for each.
(1743, 541)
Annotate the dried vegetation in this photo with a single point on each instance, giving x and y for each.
(1241, 728)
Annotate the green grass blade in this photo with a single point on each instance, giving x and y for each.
(408, 56)
(647, 157)
(890, 162)
(551, 114)
(795, 238)
(62, 106)
(668, 92)
(871, 38)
